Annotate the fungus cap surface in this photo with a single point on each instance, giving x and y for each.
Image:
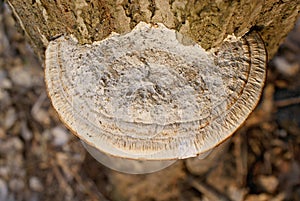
(153, 94)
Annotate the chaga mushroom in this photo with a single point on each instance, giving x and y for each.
(149, 97)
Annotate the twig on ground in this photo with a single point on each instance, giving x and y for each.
(287, 102)
(210, 192)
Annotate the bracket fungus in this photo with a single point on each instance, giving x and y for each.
(151, 96)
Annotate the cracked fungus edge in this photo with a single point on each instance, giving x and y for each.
(157, 149)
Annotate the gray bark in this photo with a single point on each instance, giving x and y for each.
(206, 21)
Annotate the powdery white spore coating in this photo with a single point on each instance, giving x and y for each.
(148, 95)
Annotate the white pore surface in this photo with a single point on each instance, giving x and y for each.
(128, 166)
(147, 95)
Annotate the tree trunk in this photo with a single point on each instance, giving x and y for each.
(205, 21)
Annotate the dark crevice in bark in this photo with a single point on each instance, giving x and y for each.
(152, 7)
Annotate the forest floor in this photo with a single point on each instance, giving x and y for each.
(41, 160)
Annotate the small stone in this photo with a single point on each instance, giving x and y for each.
(4, 99)
(279, 197)
(281, 133)
(4, 172)
(20, 76)
(268, 183)
(2, 133)
(16, 185)
(3, 75)
(10, 118)
(16, 144)
(11, 145)
(46, 135)
(25, 132)
(5, 83)
(286, 68)
(61, 137)
(236, 194)
(35, 184)
(265, 197)
(42, 116)
(3, 190)
(260, 197)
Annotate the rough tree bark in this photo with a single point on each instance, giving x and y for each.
(206, 21)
